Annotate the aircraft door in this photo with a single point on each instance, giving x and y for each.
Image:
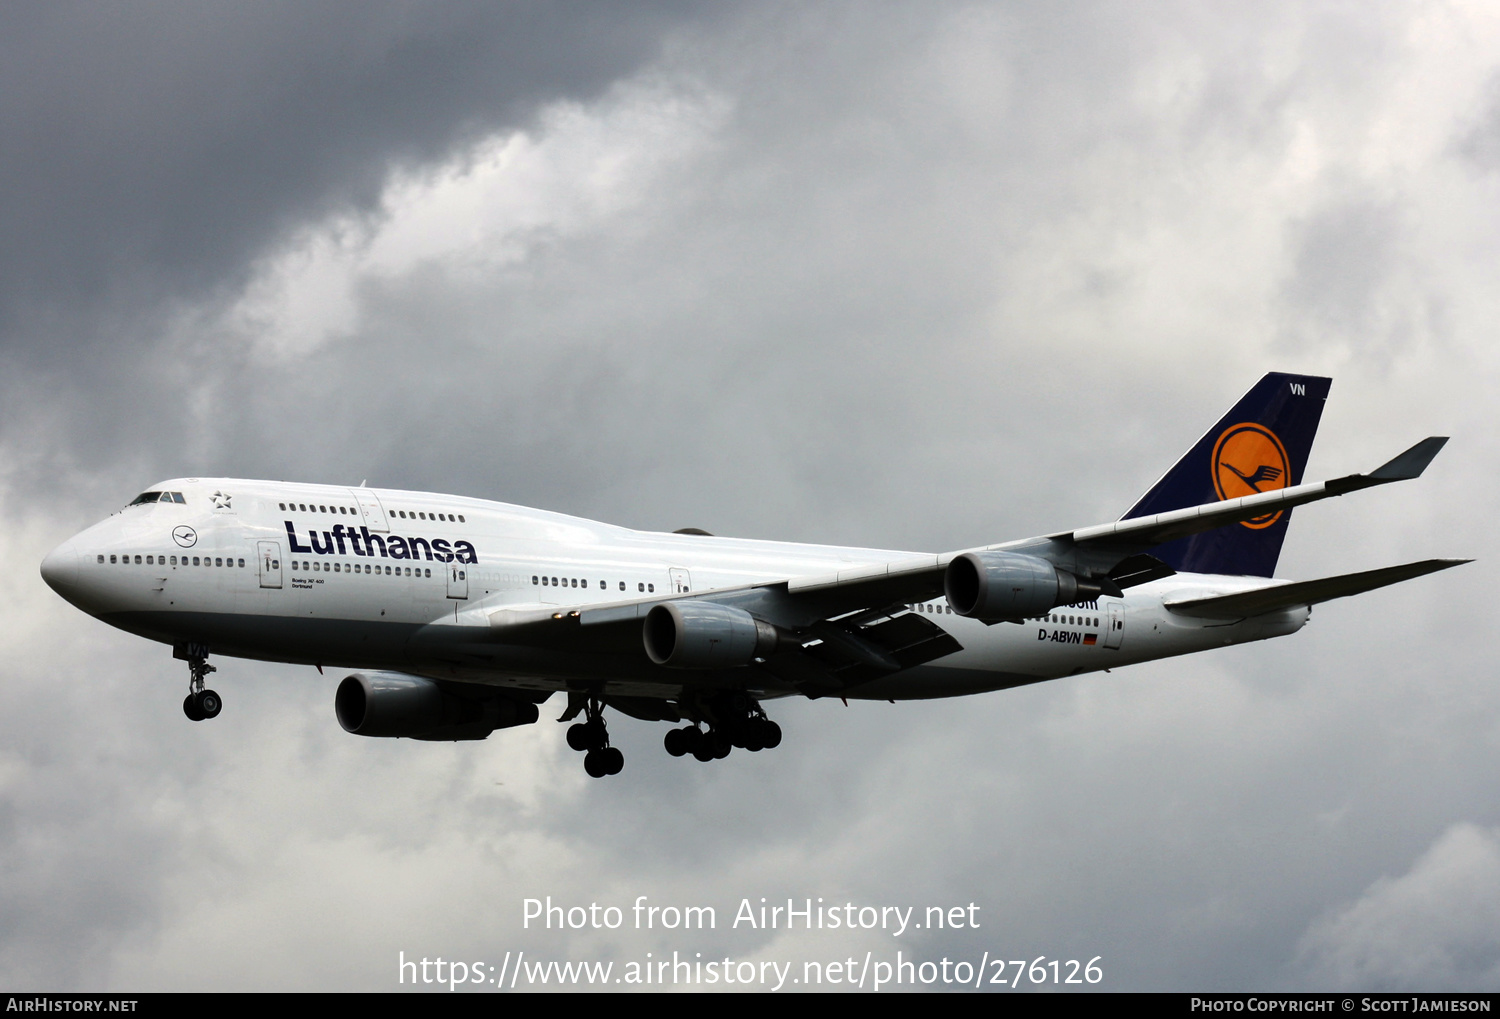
(458, 580)
(268, 555)
(370, 509)
(1115, 627)
(681, 583)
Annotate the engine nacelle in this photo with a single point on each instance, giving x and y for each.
(705, 635)
(1007, 585)
(393, 704)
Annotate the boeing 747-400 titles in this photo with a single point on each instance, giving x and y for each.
(456, 616)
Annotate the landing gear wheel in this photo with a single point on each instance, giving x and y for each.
(673, 741)
(769, 733)
(607, 761)
(713, 747)
(200, 703)
(578, 737)
(209, 703)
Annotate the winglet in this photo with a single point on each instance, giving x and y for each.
(1408, 465)
(1412, 463)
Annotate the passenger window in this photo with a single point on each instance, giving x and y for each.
(283, 506)
(460, 518)
(651, 588)
(101, 557)
(294, 564)
(641, 588)
(242, 564)
(138, 560)
(174, 560)
(111, 558)
(429, 572)
(622, 585)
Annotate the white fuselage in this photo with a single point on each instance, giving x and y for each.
(410, 581)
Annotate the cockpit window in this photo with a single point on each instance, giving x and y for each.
(145, 497)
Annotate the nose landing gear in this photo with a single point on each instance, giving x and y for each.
(199, 703)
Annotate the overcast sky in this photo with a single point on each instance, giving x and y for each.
(916, 276)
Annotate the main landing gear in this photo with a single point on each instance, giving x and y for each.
(734, 721)
(199, 703)
(592, 738)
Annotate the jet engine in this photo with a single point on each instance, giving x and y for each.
(393, 704)
(1007, 585)
(705, 635)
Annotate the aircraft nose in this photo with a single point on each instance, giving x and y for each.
(60, 570)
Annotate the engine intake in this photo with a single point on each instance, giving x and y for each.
(392, 704)
(705, 635)
(1007, 585)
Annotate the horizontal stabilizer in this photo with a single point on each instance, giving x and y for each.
(1307, 592)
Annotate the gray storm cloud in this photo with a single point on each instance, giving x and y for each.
(902, 276)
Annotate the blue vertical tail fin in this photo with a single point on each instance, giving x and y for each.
(1261, 445)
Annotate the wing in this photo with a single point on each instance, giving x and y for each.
(827, 633)
(1113, 553)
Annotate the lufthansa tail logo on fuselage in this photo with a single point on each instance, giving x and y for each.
(1249, 459)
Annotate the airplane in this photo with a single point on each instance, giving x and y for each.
(459, 616)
